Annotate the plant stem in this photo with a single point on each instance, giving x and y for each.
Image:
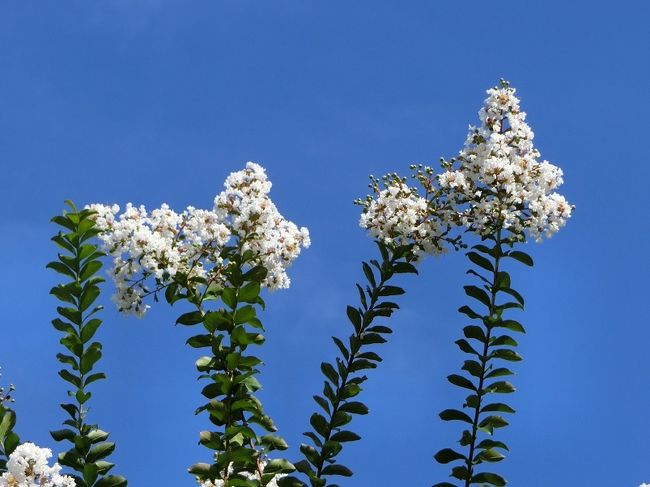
(367, 318)
(484, 360)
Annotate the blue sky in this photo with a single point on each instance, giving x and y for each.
(157, 101)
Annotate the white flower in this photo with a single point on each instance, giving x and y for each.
(398, 215)
(157, 246)
(28, 466)
(503, 181)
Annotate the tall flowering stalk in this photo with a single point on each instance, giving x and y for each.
(218, 261)
(80, 262)
(406, 226)
(504, 193)
(9, 440)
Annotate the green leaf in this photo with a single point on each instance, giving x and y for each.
(250, 292)
(354, 407)
(522, 257)
(229, 297)
(100, 451)
(473, 331)
(466, 347)
(273, 442)
(329, 372)
(354, 316)
(369, 274)
(61, 268)
(455, 415)
(89, 329)
(490, 455)
(497, 407)
(89, 358)
(7, 422)
(490, 478)
(478, 294)
(466, 310)
(343, 436)
(512, 325)
(447, 455)
(279, 465)
(501, 387)
(64, 434)
(112, 481)
(391, 291)
(244, 314)
(480, 261)
(461, 381)
(337, 469)
(319, 423)
(191, 318)
(88, 270)
(506, 354)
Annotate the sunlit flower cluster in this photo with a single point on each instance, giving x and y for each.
(497, 181)
(254, 219)
(498, 178)
(398, 215)
(28, 467)
(161, 244)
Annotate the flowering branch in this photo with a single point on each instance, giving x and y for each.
(503, 193)
(79, 323)
(228, 254)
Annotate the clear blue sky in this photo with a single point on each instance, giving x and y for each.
(157, 101)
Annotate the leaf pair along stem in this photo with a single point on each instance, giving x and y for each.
(78, 321)
(482, 368)
(343, 378)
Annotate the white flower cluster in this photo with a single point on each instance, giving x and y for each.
(252, 217)
(497, 181)
(28, 467)
(163, 243)
(398, 215)
(500, 179)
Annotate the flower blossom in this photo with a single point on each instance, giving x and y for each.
(500, 179)
(162, 244)
(398, 215)
(28, 467)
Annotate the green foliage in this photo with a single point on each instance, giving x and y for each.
(229, 369)
(344, 376)
(8, 438)
(79, 263)
(488, 345)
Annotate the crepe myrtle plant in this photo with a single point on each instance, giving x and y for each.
(505, 194)
(79, 262)
(217, 261)
(406, 226)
